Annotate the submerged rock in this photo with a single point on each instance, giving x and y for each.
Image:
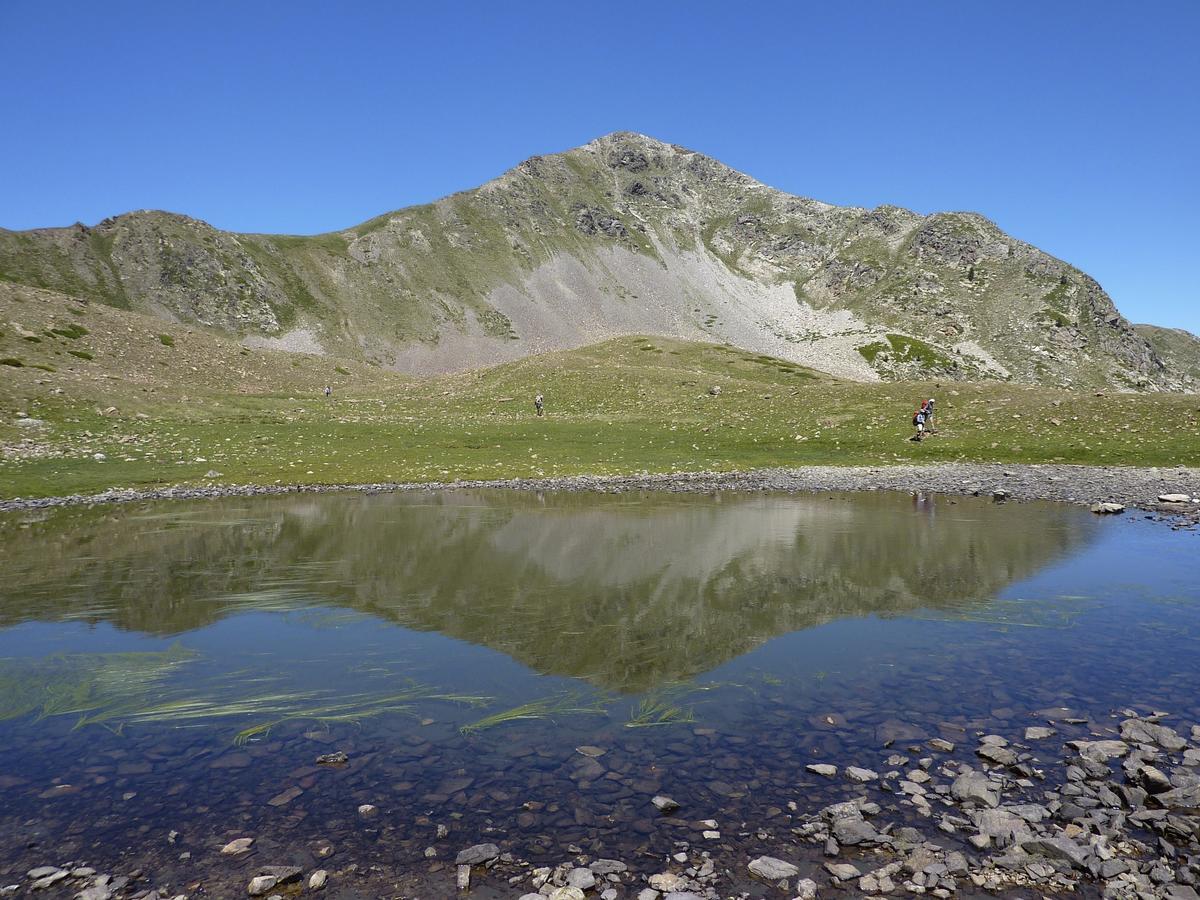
(1001, 756)
(260, 884)
(608, 867)
(664, 804)
(772, 869)
(855, 773)
(237, 846)
(477, 855)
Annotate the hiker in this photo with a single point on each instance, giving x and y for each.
(919, 423)
(928, 407)
(537, 404)
(328, 391)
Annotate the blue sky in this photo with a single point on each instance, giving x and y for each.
(1073, 125)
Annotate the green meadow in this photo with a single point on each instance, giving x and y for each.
(629, 405)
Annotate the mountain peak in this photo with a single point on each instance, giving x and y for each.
(625, 235)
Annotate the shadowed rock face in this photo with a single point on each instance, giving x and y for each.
(627, 593)
(625, 235)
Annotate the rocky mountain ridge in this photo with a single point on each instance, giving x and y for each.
(625, 235)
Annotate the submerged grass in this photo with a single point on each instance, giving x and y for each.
(664, 705)
(119, 690)
(565, 703)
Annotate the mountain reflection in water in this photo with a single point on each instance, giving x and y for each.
(629, 592)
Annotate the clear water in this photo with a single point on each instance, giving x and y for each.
(179, 667)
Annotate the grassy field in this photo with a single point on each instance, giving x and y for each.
(143, 410)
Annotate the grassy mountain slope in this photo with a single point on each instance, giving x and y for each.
(1178, 349)
(93, 397)
(625, 235)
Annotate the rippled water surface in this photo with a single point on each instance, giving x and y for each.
(179, 667)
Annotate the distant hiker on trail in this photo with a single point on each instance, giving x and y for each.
(919, 424)
(328, 391)
(537, 404)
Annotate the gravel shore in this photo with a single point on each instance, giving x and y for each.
(1140, 488)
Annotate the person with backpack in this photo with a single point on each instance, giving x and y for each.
(537, 403)
(919, 424)
(928, 407)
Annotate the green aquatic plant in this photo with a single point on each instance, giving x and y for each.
(363, 706)
(118, 690)
(654, 711)
(561, 704)
(82, 684)
(663, 706)
(1059, 612)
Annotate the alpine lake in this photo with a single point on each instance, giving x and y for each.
(620, 692)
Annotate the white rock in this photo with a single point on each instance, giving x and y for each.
(822, 769)
(317, 880)
(1173, 498)
(581, 878)
(855, 773)
(260, 884)
(773, 869)
(237, 845)
(666, 881)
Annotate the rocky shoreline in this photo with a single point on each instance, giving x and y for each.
(1072, 804)
(1141, 488)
